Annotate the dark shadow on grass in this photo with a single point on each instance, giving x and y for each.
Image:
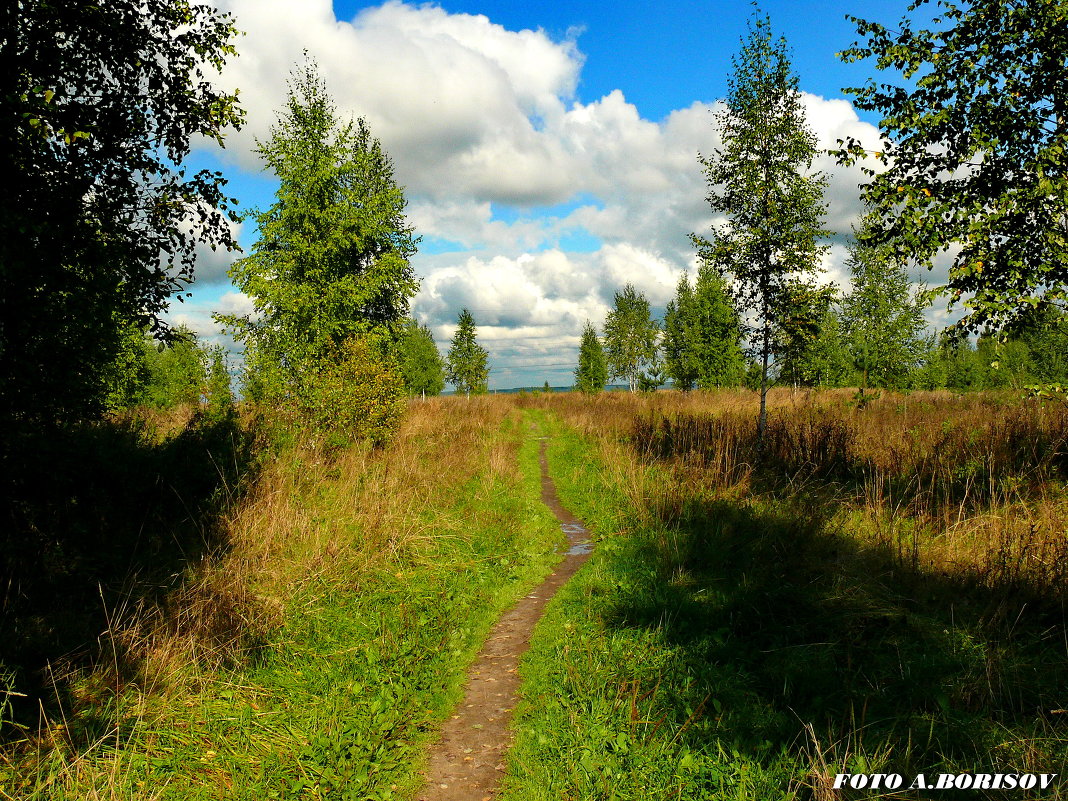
(98, 520)
(780, 624)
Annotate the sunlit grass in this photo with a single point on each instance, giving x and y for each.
(786, 616)
(319, 654)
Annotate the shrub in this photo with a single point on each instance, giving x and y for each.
(355, 396)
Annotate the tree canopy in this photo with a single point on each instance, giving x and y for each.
(715, 332)
(591, 375)
(974, 159)
(332, 262)
(99, 220)
(798, 330)
(420, 362)
(679, 362)
(882, 315)
(630, 336)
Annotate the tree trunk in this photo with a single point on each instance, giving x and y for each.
(763, 424)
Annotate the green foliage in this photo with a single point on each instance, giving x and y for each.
(331, 261)
(799, 328)
(220, 395)
(975, 150)
(177, 372)
(355, 396)
(591, 375)
(825, 361)
(1029, 352)
(98, 219)
(420, 363)
(679, 362)
(715, 331)
(331, 264)
(652, 377)
(761, 181)
(882, 316)
(960, 363)
(629, 336)
(1044, 330)
(127, 376)
(162, 375)
(1009, 360)
(931, 373)
(466, 366)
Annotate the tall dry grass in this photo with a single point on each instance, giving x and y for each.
(312, 518)
(971, 484)
(309, 510)
(889, 576)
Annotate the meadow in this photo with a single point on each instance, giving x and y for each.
(315, 648)
(880, 588)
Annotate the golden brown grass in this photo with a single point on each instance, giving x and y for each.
(311, 516)
(903, 558)
(971, 484)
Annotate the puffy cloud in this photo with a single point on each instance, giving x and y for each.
(452, 96)
(212, 266)
(198, 315)
(478, 118)
(530, 309)
(831, 121)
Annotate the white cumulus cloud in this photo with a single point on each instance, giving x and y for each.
(481, 120)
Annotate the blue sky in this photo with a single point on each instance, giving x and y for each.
(663, 56)
(549, 151)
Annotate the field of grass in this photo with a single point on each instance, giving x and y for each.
(316, 653)
(882, 590)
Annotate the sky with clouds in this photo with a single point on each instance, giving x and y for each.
(549, 152)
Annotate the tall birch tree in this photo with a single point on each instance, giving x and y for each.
(762, 181)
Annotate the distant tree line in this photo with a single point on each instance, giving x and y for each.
(163, 375)
(874, 336)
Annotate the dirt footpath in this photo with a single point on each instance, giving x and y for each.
(466, 764)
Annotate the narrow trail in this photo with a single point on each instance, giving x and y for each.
(466, 764)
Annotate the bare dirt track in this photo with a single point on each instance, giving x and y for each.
(467, 762)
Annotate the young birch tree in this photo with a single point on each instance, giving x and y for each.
(714, 337)
(592, 372)
(419, 360)
(630, 336)
(882, 315)
(761, 180)
(679, 362)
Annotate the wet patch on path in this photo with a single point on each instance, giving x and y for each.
(466, 764)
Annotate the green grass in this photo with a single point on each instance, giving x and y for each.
(367, 662)
(721, 647)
